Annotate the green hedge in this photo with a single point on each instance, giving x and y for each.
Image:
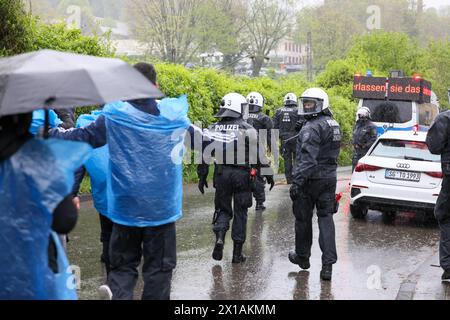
(206, 87)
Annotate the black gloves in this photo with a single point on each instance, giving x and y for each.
(299, 125)
(294, 192)
(202, 183)
(270, 181)
(202, 172)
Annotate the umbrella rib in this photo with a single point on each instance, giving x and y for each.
(100, 100)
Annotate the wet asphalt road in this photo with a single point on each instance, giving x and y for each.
(377, 258)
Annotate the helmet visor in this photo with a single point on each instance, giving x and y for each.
(227, 113)
(310, 106)
(290, 103)
(363, 116)
(254, 108)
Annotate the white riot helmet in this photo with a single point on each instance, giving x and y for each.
(233, 105)
(313, 102)
(255, 102)
(363, 113)
(290, 100)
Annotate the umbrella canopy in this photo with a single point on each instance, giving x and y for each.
(52, 79)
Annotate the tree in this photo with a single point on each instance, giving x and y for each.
(436, 66)
(14, 29)
(384, 51)
(334, 24)
(332, 31)
(268, 22)
(169, 25)
(221, 28)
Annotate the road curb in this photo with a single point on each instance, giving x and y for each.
(408, 287)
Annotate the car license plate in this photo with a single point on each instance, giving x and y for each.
(402, 175)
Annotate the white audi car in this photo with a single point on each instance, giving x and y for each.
(397, 174)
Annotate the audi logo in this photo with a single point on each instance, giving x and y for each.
(403, 166)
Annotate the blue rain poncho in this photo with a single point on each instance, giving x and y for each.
(145, 186)
(96, 166)
(33, 182)
(39, 120)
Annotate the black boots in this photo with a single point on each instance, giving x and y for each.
(260, 206)
(295, 259)
(238, 257)
(446, 276)
(326, 272)
(218, 247)
(217, 254)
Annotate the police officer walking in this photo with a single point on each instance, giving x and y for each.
(364, 135)
(285, 121)
(315, 179)
(263, 125)
(438, 142)
(233, 143)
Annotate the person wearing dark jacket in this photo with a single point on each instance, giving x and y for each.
(314, 181)
(364, 135)
(286, 120)
(438, 141)
(67, 117)
(233, 143)
(263, 125)
(140, 229)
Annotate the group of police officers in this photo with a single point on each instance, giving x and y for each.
(310, 146)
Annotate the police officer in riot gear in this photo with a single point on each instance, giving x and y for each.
(438, 139)
(364, 135)
(233, 143)
(263, 124)
(286, 120)
(314, 181)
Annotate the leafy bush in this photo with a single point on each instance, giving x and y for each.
(14, 28)
(59, 37)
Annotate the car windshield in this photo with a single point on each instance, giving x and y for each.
(404, 149)
(389, 111)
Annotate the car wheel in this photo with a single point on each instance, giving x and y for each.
(389, 216)
(358, 212)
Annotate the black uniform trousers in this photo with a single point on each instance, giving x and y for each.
(158, 247)
(259, 188)
(106, 226)
(233, 197)
(289, 151)
(442, 214)
(319, 194)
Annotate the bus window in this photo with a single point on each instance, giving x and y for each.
(389, 111)
(427, 113)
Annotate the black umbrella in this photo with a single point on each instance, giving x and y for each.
(52, 79)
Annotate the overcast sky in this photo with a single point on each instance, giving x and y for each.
(428, 3)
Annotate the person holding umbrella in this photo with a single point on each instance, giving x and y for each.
(36, 175)
(144, 188)
(33, 204)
